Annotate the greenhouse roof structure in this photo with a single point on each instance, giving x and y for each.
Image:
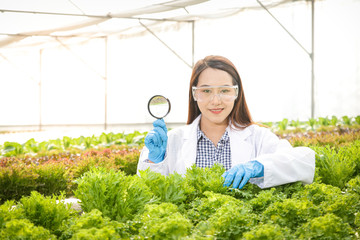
(40, 21)
(259, 35)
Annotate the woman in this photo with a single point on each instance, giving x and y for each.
(220, 130)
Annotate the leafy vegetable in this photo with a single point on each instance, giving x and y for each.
(334, 120)
(19, 229)
(53, 178)
(330, 199)
(163, 221)
(12, 148)
(45, 211)
(268, 231)
(312, 122)
(92, 225)
(324, 121)
(353, 186)
(116, 195)
(16, 181)
(328, 226)
(335, 168)
(201, 209)
(290, 213)
(283, 124)
(346, 120)
(265, 198)
(172, 188)
(9, 212)
(205, 179)
(229, 221)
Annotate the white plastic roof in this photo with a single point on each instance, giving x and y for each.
(24, 22)
(42, 71)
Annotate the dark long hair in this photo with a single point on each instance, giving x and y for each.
(240, 115)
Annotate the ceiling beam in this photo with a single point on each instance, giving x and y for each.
(108, 16)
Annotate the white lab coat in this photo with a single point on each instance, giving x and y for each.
(282, 162)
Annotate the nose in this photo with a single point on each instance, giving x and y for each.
(215, 99)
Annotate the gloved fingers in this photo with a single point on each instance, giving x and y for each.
(230, 175)
(161, 133)
(156, 141)
(163, 137)
(160, 123)
(152, 136)
(148, 138)
(156, 156)
(239, 176)
(153, 143)
(245, 179)
(225, 174)
(228, 180)
(164, 144)
(152, 140)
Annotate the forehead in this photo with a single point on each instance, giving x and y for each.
(211, 77)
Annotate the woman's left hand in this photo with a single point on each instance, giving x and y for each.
(240, 174)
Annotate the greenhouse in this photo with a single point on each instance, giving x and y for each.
(128, 119)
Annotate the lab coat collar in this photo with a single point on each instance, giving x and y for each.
(192, 128)
(188, 151)
(239, 134)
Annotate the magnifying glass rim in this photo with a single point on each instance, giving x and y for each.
(165, 99)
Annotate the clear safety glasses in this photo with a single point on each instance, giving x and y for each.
(225, 93)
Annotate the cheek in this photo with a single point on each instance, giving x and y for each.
(200, 106)
(231, 106)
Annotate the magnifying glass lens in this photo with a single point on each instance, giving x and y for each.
(159, 106)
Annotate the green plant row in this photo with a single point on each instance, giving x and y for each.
(52, 174)
(194, 206)
(337, 175)
(325, 138)
(337, 160)
(32, 147)
(320, 123)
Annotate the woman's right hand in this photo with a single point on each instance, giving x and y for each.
(156, 141)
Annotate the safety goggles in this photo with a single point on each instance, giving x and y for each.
(225, 93)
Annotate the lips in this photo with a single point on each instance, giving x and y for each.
(216, 110)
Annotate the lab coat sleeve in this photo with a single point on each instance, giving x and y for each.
(144, 163)
(282, 162)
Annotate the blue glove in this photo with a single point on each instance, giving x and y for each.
(156, 141)
(243, 172)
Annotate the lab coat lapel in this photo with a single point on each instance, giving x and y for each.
(241, 150)
(188, 151)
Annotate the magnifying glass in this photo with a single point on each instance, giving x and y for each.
(159, 106)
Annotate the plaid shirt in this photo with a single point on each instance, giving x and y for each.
(207, 154)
